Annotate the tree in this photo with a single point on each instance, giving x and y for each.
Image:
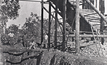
(8, 9)
(13, 29)
(31, 28)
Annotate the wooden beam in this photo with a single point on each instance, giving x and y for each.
(77, 45)
(56, 18)
(102, 8)
(49, 28)
(90, 35)
(98, 4)
(52, 15)
(95, 9)
(95, 3)
(83, 4)
(42, 21)
(64, 27)
(56, 10)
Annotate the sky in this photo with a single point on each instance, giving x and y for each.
(24, 12)
(27, 8)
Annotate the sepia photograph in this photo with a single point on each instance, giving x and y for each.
(53, 32)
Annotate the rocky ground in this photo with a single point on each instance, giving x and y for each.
(91, 47)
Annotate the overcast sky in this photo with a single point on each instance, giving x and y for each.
(27, 8)
(24, 12)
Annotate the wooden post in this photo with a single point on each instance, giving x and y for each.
(49, 28)
(87, 36)
(55, 9)
(97, 4)
(102, 8)
(97, 11)
(83, 5)
(42, 21)
(56, 18)
(77, 45)
(64, 27)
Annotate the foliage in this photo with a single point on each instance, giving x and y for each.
(5, 39)
(10, 8)
(31, 28)
(11, 37)
(13, 29)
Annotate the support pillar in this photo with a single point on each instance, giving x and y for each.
(56, 20)
(42, 21)
(64, 26)
(83, 5)
(49, 28)
(98, 4)
(95, 3)
(102, 9)
(77, 45)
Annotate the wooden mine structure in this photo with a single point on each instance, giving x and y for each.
(88, 19)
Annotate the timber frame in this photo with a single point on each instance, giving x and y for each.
(76, 35)
(77, 25)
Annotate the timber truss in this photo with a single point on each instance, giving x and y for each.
(94, 19)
